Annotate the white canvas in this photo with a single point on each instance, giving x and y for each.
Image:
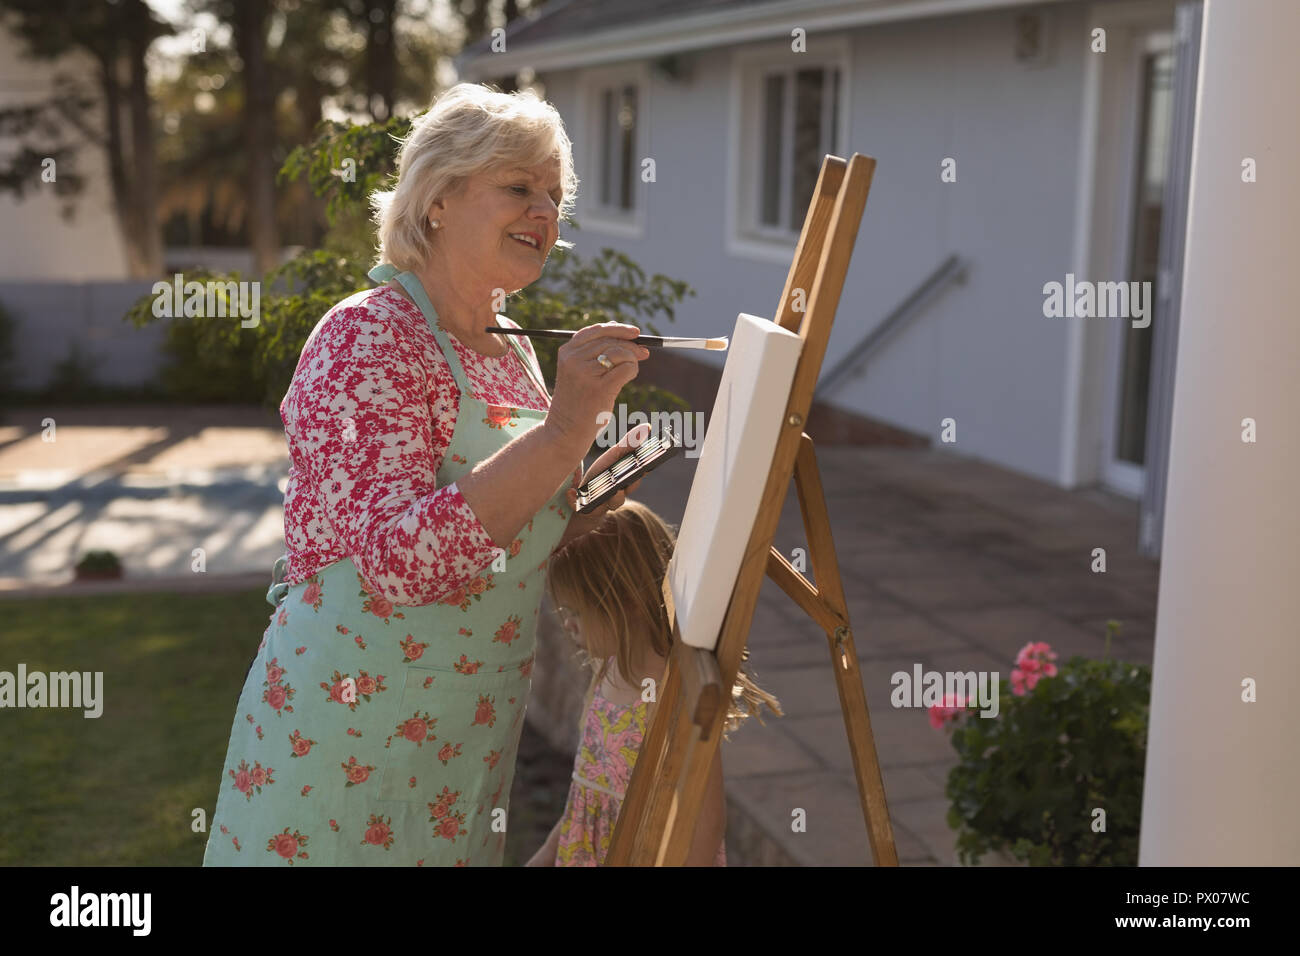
(739, 442)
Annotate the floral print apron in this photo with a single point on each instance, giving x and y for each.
(369, 733)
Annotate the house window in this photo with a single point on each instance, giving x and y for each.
(618, 137)
(799, 118)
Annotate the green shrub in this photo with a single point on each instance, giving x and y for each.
(1030, 779)
(94, 561)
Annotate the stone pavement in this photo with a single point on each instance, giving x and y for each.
(150, 483)
(947, 562)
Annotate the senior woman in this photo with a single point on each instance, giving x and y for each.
(431, 478)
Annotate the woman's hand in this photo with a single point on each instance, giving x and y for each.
(507, 490)
(584, 388)
(630, 442)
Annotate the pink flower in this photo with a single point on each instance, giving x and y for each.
(1033, 663)
(310, 593)
(284, 844)
(415, 729)
(952, 707)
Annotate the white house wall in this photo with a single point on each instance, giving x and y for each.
(984, 354)
(37, 242)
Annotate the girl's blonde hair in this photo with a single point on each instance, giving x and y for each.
(614, 575)
(471, 128)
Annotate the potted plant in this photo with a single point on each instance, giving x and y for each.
(1055, 779)
(98, 566)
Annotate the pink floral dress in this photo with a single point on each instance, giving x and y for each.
(379, 722)
(611, 739)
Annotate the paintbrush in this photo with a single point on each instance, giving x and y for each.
(659, 341)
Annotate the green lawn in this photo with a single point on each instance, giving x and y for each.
(121, 789)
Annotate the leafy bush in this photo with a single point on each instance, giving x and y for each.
(1030, 779)
(99, 561)
(210, 359)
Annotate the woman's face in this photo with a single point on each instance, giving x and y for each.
(481, 222)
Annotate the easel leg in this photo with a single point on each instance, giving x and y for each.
(826, 604)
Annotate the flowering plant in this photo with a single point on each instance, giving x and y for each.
(1056, 778)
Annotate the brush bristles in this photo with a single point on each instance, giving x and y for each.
(719, 345)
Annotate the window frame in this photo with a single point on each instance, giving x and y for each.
(591, 86)
(747, 236)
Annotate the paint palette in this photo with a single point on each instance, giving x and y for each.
(648, 456)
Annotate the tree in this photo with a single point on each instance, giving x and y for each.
(250, 22)
(116, 36)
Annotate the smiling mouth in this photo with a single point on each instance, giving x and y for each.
(527, 242)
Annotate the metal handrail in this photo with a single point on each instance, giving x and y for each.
(950, 270)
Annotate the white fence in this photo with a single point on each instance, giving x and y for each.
(54, 318)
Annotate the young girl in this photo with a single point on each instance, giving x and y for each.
(606, 587)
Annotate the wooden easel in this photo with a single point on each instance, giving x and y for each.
(657, 820)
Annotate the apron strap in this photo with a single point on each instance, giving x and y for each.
(409, 281)
(278, 589)
(382, 272)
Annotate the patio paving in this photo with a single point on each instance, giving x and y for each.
(150, 483)
(947, 562)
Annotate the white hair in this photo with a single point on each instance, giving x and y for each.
(470, 129)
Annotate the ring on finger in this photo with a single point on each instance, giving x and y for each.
(603, 359)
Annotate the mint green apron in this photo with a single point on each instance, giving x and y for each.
(374, 734)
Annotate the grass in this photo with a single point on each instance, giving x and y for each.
(121, 790)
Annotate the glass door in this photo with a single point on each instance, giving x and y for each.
(1129, 347)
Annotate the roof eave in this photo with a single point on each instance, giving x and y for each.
(712, 29)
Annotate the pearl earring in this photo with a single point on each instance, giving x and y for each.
(435, 223)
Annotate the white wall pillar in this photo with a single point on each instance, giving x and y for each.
(1223, 776)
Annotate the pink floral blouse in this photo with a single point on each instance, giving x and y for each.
(368, 418)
